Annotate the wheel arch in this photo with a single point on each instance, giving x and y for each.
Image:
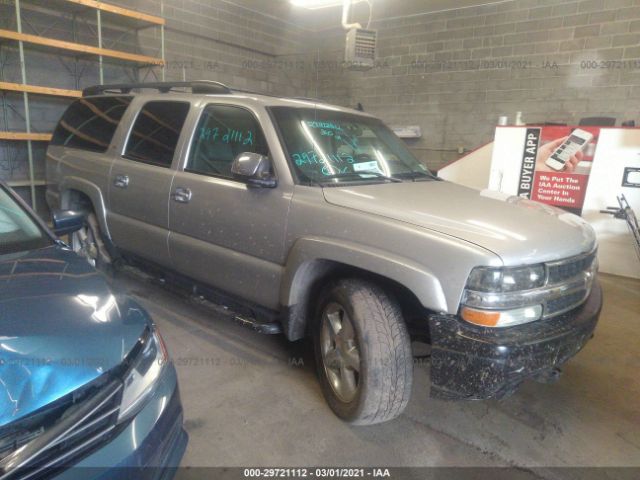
(314, 262)
(80, 193)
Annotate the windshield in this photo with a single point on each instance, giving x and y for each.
(18, 231)
(327, 146)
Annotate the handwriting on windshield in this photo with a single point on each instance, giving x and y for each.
(323, 125)
(332, 164)
(312, 158)
(330, 129)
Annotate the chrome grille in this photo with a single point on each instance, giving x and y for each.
(566, 302)
(575, 278)
(564, 270)
(86, 422)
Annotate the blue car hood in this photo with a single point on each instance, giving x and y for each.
(60, 328)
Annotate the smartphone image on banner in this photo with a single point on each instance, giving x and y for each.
(577, 141)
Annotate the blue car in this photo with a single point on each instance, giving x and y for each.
(86, 386)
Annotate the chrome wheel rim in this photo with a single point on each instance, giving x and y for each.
(340, 352)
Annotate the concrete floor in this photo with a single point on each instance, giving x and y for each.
(252, 399)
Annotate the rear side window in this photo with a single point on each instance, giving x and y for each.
(89, 123)
(156, 131)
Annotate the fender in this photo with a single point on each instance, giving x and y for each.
(92, 191)
(312, 257)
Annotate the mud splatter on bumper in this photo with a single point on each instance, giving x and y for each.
(477, 363)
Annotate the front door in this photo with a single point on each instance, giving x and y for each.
(140, 181)
(223, 232)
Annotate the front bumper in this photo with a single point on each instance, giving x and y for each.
(477, 363)
(149, 448)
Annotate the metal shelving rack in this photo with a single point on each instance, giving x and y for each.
(624, 212)
(118, 15)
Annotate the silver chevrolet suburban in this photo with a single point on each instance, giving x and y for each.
(315, 220)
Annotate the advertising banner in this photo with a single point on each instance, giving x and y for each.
(549, 164)
(580, 169)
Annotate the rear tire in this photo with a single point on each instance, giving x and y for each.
(88, 243)
(363, 352)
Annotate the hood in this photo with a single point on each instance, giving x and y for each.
(60, 328)
(518, 231)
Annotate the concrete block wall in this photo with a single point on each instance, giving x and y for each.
(247, 44)
(452, 72)
(455, 72)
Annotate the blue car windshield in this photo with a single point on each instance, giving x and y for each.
(18, 230)
(328, 146)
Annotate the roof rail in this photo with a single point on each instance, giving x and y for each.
(200, 86)
(309, 99)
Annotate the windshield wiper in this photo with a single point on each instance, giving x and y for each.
(360, 175)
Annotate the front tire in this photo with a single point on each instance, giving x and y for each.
(363, 352)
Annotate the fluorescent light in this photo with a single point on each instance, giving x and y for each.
(316, 4)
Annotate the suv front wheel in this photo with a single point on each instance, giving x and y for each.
(363, 352)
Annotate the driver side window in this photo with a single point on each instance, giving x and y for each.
(222, 133)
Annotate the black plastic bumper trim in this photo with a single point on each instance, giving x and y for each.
(477, 363)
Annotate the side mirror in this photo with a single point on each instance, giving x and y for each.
(255, 169)
(68, 221)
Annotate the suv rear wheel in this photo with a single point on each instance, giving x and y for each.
(88, 242)
(363, 352)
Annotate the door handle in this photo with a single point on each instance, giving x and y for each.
(182, 195)
(121, 181)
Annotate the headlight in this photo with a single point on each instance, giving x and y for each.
(489, 279)
(142, 374)
(497, 297)
(507, 296)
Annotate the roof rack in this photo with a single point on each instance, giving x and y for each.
(309, 99)
(200, 86)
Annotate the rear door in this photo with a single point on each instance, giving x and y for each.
(223, 232)
(82, 144)
(140, 181)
